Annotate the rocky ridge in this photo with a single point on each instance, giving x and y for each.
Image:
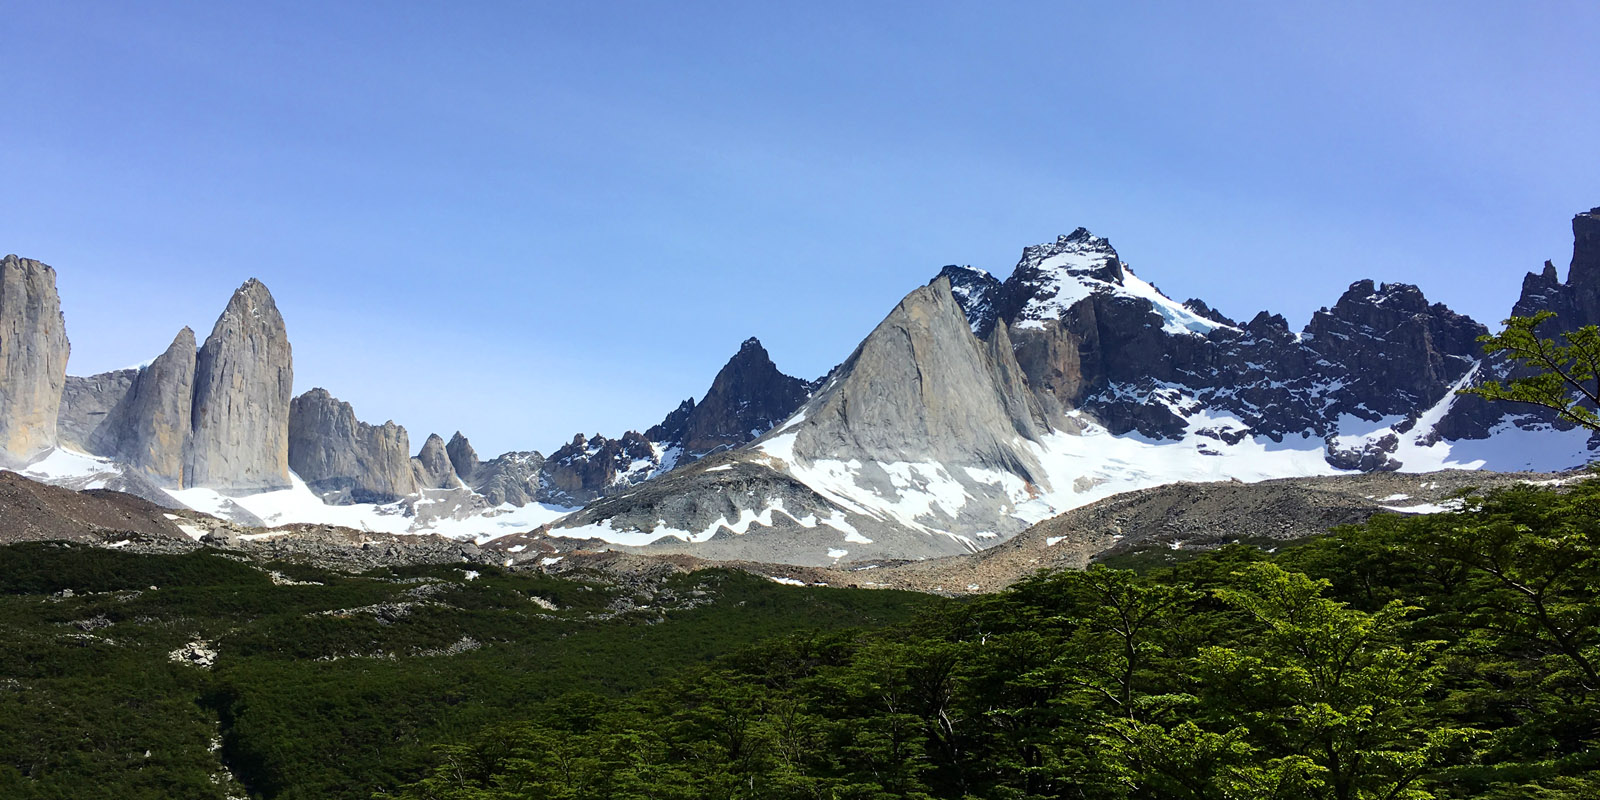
(1087, 380)
(344, 459)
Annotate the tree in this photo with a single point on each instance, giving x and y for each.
(1561, 376)
(1337, 691)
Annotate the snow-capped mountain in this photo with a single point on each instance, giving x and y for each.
(1087, 381)
(977, 407)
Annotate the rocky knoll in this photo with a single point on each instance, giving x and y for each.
(35, 511)
(244, 379)
(33, 359)
(1180, 518)
(344, 459)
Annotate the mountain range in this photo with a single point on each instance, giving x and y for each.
(977, 407)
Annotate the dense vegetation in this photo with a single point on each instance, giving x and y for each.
(331, 685)
(1444, 656)
(1447, 656)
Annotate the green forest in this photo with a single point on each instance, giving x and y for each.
(1443, 656)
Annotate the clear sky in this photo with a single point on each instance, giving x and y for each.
(524, 220)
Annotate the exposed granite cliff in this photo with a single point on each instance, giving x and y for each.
(33, 359)
(244, 379)
(431, 468)
(344, 459)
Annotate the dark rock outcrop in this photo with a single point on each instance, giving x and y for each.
(978, 294)
(344, 459)
(1091, 336)
(1391, 349)
(33, 359)
(244, 379)
(588, 468)
(748, 396)
(1576, 303)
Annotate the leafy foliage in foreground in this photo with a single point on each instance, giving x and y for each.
(1563, 376)
(331, 685)
(1441, 656)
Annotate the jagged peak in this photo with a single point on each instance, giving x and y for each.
(954, 271)
(1367, 291)
(1203, 309)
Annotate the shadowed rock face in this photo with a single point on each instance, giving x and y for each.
(343, 458)
(462, 457)
(86, 419)
(154, 422)
(33, 359)
(748, 397)
(978, 294)
(244, 379)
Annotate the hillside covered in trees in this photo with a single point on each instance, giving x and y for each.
(1442, 656)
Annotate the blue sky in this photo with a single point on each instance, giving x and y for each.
(525, 220)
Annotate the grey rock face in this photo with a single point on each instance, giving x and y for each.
(509, 478)
(462, 457)
(920, 388)
(86, 409)
(150, 429)
(343, 458)
(244, 379)
(33, 359)
(432, 468)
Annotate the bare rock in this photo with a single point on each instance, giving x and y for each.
(85, 420)
(33, 359)
(462, 457)
(155, 420)
(244, 378)
(431, 469)
(344, 459)
(920, 388)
